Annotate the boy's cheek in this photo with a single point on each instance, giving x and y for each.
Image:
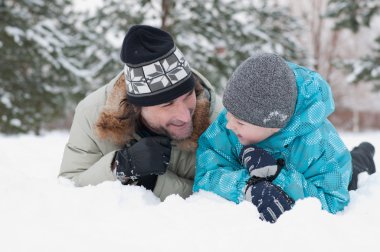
(244, 141)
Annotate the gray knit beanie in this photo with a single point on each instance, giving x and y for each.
(262, 91)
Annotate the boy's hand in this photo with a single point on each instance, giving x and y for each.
(271, 201)
(260, 164)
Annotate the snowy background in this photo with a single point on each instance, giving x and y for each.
(39, 212)
(51, 57)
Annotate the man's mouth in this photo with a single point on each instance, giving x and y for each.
(180, 131)
(179, 125)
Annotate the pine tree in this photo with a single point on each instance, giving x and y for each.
(40, 70)
(352, 15)
(215, 35)
(105, 29)
(367, 68)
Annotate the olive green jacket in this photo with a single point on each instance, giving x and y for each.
(97, 133)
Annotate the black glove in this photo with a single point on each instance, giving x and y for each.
(271, 201)
(143, 161)
(260, 164)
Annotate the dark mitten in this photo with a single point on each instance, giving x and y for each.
(271, 201)
(143, 161)
(260, 164)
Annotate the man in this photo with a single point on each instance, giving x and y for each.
(142, 127)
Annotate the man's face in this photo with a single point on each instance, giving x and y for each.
(173, 119)
(246, 132)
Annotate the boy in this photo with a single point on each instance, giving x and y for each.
(274, 144)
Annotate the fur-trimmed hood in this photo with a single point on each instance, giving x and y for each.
(109, 126)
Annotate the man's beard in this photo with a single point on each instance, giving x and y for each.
(174, 135)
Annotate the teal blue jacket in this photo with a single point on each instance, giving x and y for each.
(317, 163)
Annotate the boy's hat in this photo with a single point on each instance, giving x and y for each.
(262, 91)
(155, 70)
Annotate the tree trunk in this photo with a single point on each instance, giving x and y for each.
(331, 54)
(165, 14)
(355, 120)
(316, 31)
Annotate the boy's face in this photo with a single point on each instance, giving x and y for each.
(246, 132)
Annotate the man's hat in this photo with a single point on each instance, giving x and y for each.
(155, 70)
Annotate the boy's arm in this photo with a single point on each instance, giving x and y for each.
(325, 177)
(217, 166)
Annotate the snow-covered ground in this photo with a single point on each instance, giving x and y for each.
(39, 212)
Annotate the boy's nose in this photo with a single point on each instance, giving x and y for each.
(229, 125)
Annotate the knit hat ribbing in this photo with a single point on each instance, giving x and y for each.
(262, 91)
(155, 70)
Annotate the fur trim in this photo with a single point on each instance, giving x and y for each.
(110, 127)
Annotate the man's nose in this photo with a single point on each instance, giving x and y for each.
(182, 113)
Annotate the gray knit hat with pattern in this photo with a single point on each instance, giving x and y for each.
(262, 91)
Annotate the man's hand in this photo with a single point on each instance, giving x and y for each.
(143, 161)
(271, 201)
(259, 163)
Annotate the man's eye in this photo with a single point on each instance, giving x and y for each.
(167, 104)
(189, 94)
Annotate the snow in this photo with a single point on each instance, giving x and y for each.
(87, 5)
(5, 100)
(16, 32)
(39, 212)
(358, 68)
(375, 72)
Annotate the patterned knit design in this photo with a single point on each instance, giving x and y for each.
(158, 75)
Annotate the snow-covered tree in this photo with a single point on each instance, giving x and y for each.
(105, 28)
(366, 69)
(351, 15)
(215, 35)
(40, 64)
(51, 55)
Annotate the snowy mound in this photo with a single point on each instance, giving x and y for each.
(39, 212)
